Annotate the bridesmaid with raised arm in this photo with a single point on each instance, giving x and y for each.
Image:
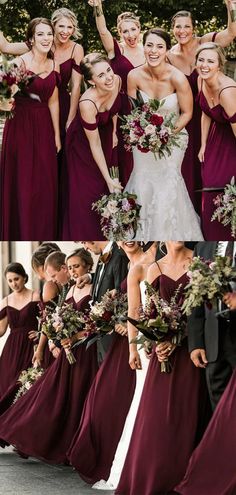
(31, 141)
(43, 422)
(182, 55)
(19, 311)
(217, 99)
(164, 433)
(91, 148)
(94, 450)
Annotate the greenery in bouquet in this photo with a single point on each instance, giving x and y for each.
(145, 129)
(225, 204)
(119, 213)
(27, 378)
(160, 320)
(208, 281)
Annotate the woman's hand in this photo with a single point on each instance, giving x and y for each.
(67, 343)
(94, 3)
(114, 140)
(114, 185)
(201, 154)
(37, 358)
(7, 105)
(230, 300)
(135, 361)
(33, 335)
(121, 329)
(58, 144)
(164, 350)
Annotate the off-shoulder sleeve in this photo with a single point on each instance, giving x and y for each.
(76, 67)
(88, 125)
(3, 313)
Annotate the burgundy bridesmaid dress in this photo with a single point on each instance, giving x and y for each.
(85, 181)
(166, 424)
(219, 166)
(94, 445)
(18, 350)
(43, 422)
(29, 166)
(211, 469)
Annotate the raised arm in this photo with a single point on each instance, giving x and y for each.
(76, 79)
(105, 35)
(12, 48)
(185, 99)
(225, 37)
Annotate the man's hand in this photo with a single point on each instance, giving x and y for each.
(198, 357)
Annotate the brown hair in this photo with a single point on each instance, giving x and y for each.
(127, 16)
(158, 32)
(32, 28)
(84, 255)
(64, 12)
(55, 260)
(182, 13)
(211, 45)
(18, 269)
(40, 254)
(88, 62)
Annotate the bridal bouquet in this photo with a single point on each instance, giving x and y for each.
(160, 321)
(147, 130)
(27, 378)
(12, 80)
(119, 213)
(104, 315)
(208, 280)
(60, 322)
(226, 207)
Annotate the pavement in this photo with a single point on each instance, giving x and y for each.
(31, 477)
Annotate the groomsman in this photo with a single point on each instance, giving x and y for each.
(111, 270)
(212, 337)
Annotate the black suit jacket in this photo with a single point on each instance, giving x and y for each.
(115, 271)
(203, 325)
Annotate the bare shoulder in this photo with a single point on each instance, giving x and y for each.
(153, 272)
(36, 296)
(78, 52)
(177, 76)
(136, 73)
(50, 290)
(3, 303)
(135, 273)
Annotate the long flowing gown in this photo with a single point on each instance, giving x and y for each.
(94, 445)
(18, 350)
(211, 469)
(85, 182)
(43, 422)
(167, 212)
(166, 425)
(219, 166)
(29, 175)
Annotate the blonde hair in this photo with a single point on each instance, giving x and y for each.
(127, 16)
(64, 12)
(211, 45)
(88, 62)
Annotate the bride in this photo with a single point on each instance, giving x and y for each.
(167, 211)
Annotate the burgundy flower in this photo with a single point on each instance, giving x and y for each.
(156, 119)
(143, 150)
(107, 315)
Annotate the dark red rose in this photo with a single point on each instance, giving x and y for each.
(143, 150)
(107, 315)
(156, 119)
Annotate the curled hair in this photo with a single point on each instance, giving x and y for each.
(88, 62)
(18, 269)
(211, 45)
(64, 12)
(84, 255)
(32, 28)
(56, 260)
(127, 16)
(158, 32)
(40, 254)
(182, 13)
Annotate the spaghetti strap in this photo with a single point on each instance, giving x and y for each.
(158, 266)
(73, 49)
(226, 87)
(32, 295)
(87, 99)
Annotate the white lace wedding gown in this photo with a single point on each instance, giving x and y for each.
(122, 448)
(167, 211)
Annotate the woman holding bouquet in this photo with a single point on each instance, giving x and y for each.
(217, 99)
(29, 171)
(97, 450)
(43, 422)
(91, 148)
(19, 311)
(166, 425)
(167, 211)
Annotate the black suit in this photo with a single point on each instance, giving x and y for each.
(214, 334)
(114, 272)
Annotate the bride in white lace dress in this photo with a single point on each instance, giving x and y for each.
(167, 211)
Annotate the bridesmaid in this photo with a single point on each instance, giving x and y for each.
(19, 311)
(162, 444)
(182, 55)
(43, 422)
(29, 171)
(211, 470)
(217, 99)
(94, 446)
(91, 148)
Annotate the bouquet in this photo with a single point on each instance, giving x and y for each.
(104, 315)
(159, 321)
(119, 213)
(208, 280)
(226, 207)
(13, 79)
(61, 321)
(147, 130)
(27, 378)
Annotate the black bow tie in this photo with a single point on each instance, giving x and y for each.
(104, 258)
